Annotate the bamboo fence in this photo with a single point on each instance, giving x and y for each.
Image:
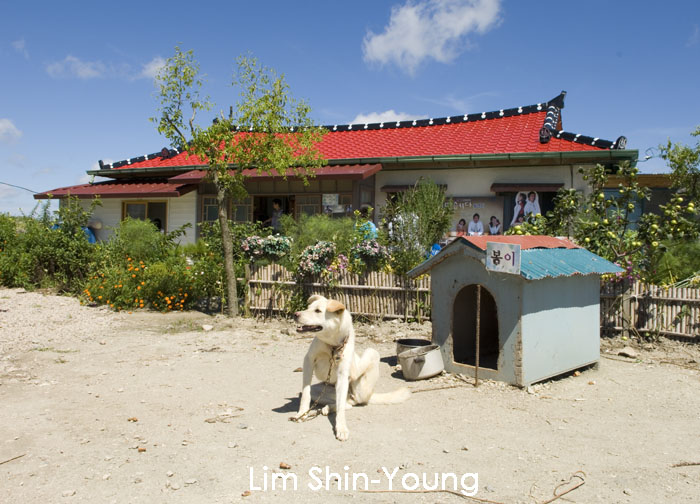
(625, 308)
(649, 310)
(375, 295)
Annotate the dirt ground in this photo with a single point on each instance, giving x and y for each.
(145, 407)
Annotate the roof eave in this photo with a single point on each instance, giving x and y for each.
(562, 156)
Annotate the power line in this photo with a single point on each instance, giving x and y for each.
(18, 187)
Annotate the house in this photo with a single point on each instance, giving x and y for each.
(525, 325)
(485, 160)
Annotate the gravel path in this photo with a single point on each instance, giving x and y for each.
(108, 407)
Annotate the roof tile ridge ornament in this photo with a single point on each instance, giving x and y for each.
(552, 118)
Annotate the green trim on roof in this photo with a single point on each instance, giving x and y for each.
(563, 156)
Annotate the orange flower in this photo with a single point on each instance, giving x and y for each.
(138, 288)
(99, 297)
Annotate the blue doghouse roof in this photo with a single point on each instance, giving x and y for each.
(540, 256)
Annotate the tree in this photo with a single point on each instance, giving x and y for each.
(417, 218)
(684, 162)
(602, 223)
(267, 130)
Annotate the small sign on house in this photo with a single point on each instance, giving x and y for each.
(518, 309)
(503, 257)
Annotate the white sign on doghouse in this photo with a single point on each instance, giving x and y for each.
(503, 257)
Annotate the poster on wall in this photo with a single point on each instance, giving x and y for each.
(476, 216)
(527, 204)
(331, 204)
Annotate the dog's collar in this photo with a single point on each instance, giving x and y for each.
(338, 350)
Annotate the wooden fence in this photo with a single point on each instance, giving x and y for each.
(373, 295)
(649, 310)
(624, 308)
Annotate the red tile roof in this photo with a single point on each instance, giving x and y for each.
(516, 130)
(118, 189)
(352, 172)
(525, 242)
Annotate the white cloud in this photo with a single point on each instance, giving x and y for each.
(429, 29)
(694, 37)
(21, 47)
(72, 66)
(9, 132)
(461, 105)
(386, 116)
(75, 67)
(150, 70)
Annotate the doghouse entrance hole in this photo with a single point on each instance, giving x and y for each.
(464, 328)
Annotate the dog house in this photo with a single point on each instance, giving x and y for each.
(522, 325)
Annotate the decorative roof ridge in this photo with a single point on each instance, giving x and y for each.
(549, 128)
(439, 121)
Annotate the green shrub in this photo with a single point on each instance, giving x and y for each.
(168, 284)
(142, 241)
(309, 230)
(44, 251)
(679, 261)
(417, 219)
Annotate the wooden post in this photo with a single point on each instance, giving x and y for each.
(404, 284)
(626, 307)
(246, 299)
(478, 335)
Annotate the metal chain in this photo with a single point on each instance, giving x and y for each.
(334, 358)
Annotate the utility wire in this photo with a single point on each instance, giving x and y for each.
(18, 187)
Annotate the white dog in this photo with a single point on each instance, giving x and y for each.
(333, 360)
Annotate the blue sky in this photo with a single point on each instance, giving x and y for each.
(77, 86)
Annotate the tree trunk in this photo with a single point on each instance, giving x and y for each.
(227, 241)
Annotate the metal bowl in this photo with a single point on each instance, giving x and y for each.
(421, 362)
(408, 343)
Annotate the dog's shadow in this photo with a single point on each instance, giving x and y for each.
(321, 394)
(392, 361)
(292, 406)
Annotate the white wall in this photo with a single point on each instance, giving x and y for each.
(476, 183)
(181, 210)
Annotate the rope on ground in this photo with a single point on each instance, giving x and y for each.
(415, 391)
(628, 361)
(453, 492)
(577, 475)
(13, 458)
(686, 464)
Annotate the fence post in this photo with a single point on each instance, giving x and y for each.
(246, 299)
(404, 284)
(627, 307)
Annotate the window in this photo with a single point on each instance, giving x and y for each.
(242, 210)
(308, 204)
(210, 209)
(155, 211)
